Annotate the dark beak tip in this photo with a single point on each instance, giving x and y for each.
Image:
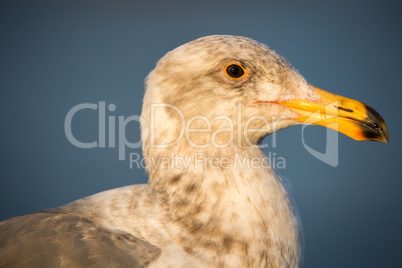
(375, 128)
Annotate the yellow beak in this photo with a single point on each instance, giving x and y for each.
(350, 117)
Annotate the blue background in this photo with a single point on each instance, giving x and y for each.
(54, 56)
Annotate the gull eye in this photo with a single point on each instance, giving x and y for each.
(235, 71)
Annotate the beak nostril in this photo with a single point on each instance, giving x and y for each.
(344, 109)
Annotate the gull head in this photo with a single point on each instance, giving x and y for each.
(218, 90)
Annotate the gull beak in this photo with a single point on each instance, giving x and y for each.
(350, 117)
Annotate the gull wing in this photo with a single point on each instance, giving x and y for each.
(54, 238)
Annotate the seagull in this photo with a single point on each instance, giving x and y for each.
(212, 199)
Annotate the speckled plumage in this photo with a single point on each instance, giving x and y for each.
(197, 217)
